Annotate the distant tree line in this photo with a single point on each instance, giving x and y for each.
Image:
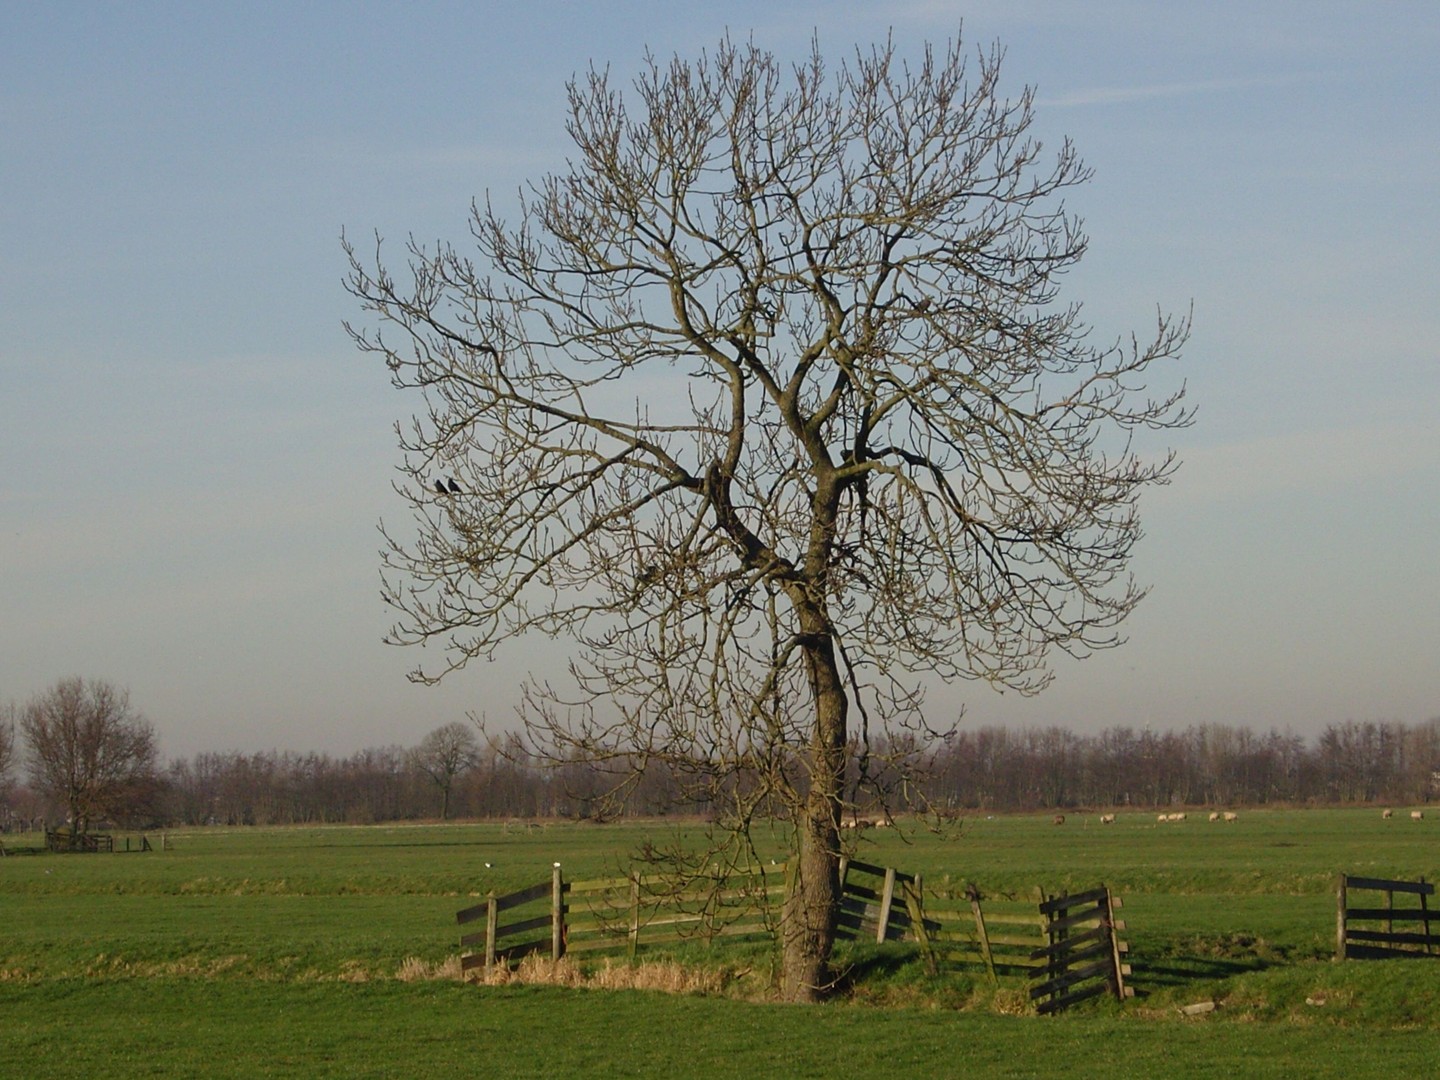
(90, 760)
(451, 773)
(988, 768)
(1205, 765)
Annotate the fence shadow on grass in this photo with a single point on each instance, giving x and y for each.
(866, 963)
(1176, 971)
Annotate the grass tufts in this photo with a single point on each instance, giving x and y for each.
(663, 976)
(413, 969)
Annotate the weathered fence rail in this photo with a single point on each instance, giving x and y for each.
(996, 934)
(1377, 938)
(663, 909)
(616, 913)
(1084, 958)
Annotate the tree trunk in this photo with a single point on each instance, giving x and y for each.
(79, 824)
(808, 926)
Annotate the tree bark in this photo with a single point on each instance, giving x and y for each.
(808, 926)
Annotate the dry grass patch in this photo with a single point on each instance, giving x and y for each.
(669, 978)
(413, 969)
(663, 976)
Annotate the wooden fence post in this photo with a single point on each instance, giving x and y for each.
(1055, 936)
(982, 934)
(1118, 948)
(1425, 909)
(887, 899)
(557, 914)
(914, 895)
(492, 923)
(634, 915)
(1340, 920)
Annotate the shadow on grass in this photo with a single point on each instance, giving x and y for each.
(1176, 972)
(872, 967)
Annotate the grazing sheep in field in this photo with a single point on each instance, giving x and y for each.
(1162, 817)
(1416, 815)
(1230, 815)
(853, 822)
(1214, 815)
(1059, 819)
(1107, 819)
(1387, 814)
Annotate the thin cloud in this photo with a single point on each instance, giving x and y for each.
(1120, 95)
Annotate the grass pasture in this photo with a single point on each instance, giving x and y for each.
(278, 952)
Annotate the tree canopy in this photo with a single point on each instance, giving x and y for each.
(89, 751)
(769, 402)
(443, 755)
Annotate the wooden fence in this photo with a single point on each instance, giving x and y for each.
(563, 917)
(996, 934)
(1377, 938)
(61, 840)
(1065, 946)
(879, 903)
(1083, 957)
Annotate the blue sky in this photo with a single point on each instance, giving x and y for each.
(193, 459)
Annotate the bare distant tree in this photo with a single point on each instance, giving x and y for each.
(88, 750)
(7, 747)
(769, 402)
(443, 755)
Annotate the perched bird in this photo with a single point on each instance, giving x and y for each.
(452, 486)
(440, 487)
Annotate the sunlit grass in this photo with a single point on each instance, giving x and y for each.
(242, 1028)
(276, 951)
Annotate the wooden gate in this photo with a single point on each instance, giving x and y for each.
(1083, 958)
(1377, 938)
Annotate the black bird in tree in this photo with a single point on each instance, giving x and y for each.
(440, 487)
(452, 487)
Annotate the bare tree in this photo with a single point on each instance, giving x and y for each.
(443, 755)
(7, 747)
(768, 402)
(88, 750)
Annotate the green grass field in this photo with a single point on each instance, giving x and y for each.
(259, 952)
